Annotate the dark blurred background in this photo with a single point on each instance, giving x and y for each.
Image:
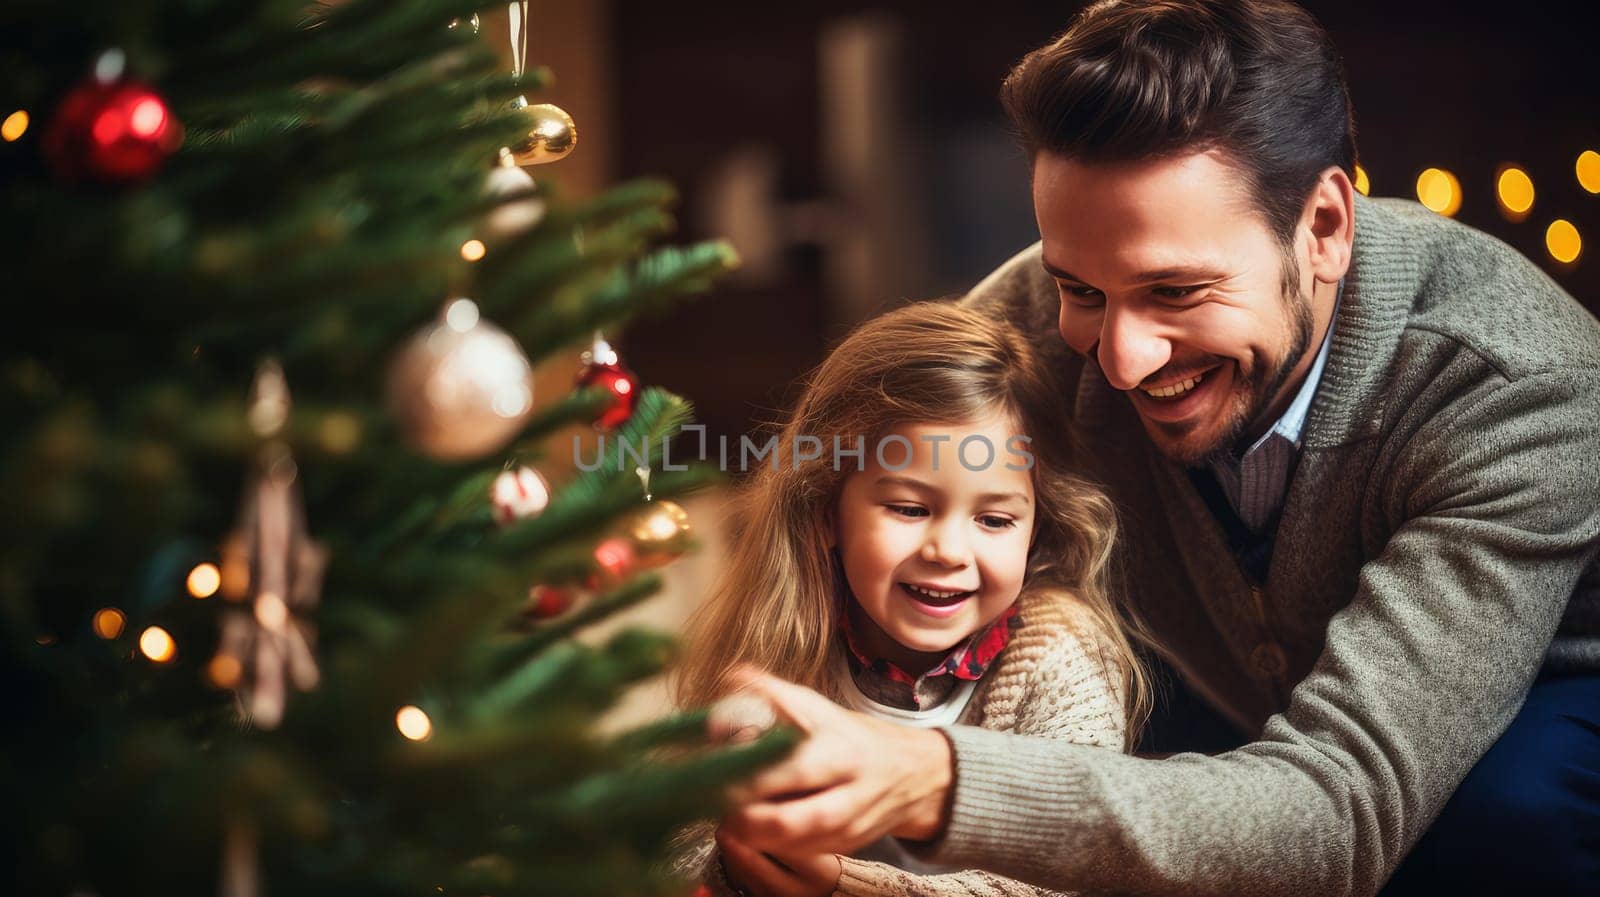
(856, 155)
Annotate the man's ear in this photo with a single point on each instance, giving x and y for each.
(1330, 219)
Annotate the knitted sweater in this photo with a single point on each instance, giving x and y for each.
(1436, 551)
(1052, 681)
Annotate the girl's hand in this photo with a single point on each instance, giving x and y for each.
(758, 874)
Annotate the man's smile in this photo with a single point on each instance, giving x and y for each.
(1185, 399)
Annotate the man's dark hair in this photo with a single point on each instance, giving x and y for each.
(1139, 79)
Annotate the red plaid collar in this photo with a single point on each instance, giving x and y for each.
(967, 660)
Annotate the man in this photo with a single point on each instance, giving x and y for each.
(1357, 451)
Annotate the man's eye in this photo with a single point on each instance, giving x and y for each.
(1084, 295)
(907, 510)
(1176, 292)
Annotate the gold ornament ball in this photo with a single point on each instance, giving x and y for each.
(660, 533)
(552, 135)
(461, 387)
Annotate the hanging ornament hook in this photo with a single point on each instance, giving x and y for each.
(518, 13)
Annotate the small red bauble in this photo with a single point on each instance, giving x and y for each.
(615, 558)
(118, 132)
(623, 387)
(545, 602)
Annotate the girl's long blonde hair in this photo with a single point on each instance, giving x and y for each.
(775, 605)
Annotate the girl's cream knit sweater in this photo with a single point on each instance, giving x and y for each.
(1052, 680)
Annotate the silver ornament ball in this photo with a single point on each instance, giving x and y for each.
(512, 216)
(461, 387)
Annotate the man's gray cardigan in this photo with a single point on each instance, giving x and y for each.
(1436, 551)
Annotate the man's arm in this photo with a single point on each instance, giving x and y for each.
(1420, 674)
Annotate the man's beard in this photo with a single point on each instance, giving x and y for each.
(1251, 398)
(1262, 389)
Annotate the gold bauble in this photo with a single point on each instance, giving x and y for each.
(552, 134)
(461, 387)
(660, 533)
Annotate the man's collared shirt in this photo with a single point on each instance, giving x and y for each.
(1256, 482)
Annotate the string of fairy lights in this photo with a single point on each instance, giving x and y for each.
(1439, 189)
(159, 647)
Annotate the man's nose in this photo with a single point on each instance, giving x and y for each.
(1130, 347)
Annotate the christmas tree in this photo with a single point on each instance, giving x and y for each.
(285, 604)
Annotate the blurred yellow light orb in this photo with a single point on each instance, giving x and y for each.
(1589, 170)
(271, 612)
(413, 723)
(340, 432)
(224, 671)
(1440, 191)
(204, 580)
(1563, 241)
(108, 622)
(157, 644)
(1515, 191)
(472, 250)
(15, 125)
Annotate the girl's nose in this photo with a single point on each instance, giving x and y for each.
(946, 545)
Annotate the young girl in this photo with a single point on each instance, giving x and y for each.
(951, 571)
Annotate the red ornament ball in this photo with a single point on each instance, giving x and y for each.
(623, 387)
(118, 133)
(615, 558)
(545, 602)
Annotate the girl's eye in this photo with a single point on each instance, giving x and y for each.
(1080, 294)
(907, 510)
(994, 522)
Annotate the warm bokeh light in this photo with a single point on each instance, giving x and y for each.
(108, 622)
(204, 580)
(1440, 191)
(15, 125)
(1589, 170)
(224, 671)
(413, 723)
(340, 432)
(1514, 189)
(472, 250)
(235, 575)
(1363, 184)
(157, 644)
(271, 612)
(1563, 241)
(461, 315)
(148, 117)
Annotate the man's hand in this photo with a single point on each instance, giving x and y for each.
(764, 875)
(853, 780)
